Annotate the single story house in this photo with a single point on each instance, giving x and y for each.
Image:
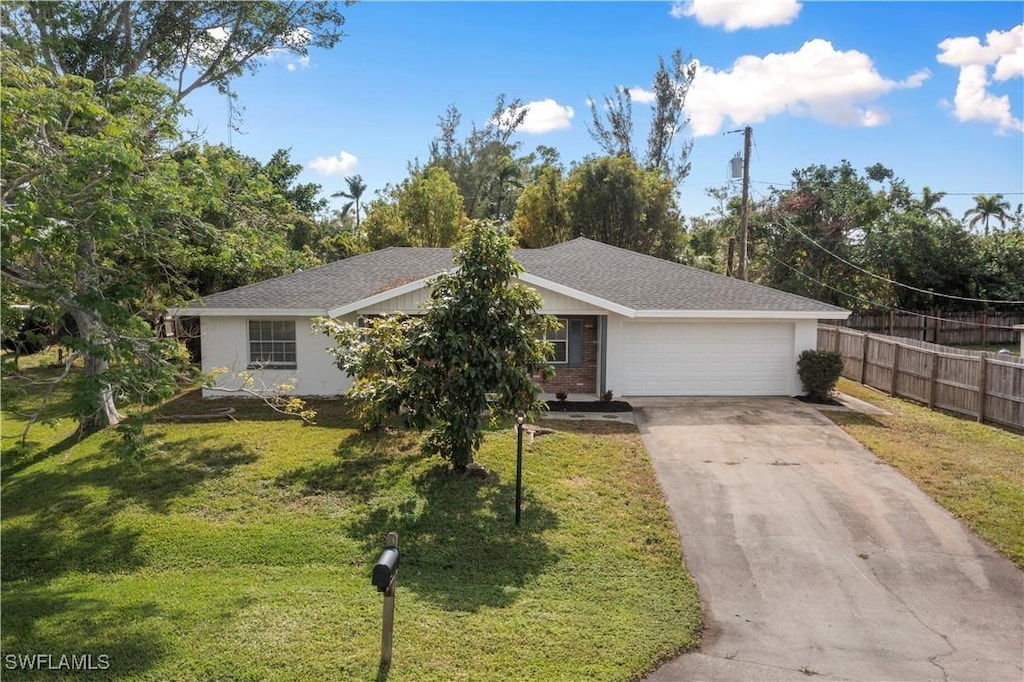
(634, 324)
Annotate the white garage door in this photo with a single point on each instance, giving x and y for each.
(708, 359)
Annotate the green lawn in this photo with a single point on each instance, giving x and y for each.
(976, 471)
(242, 550)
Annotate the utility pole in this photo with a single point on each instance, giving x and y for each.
(746, 194)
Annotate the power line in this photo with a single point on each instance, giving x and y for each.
(876, 304)
(892, 281)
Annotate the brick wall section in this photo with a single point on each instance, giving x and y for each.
(582, 378)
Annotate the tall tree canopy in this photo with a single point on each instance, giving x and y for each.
(483, 164)
(424, 210)
(189, 45)
(986, 208)
(670, 87)
(95, 211)
(615, 201)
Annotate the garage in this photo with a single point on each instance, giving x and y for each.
(708, 358)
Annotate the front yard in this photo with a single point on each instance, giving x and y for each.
(242, 550)
(976, 471)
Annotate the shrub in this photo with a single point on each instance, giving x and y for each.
(561, 396)
(608, 395)
(819, 371)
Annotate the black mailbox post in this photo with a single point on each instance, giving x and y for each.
(385, 569)
(384, 573)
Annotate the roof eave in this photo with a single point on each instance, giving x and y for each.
(747, 314)
(246, 312)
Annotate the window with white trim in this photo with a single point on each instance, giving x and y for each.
(272, 344)
(559, 340)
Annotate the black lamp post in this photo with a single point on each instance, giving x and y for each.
(520, 417)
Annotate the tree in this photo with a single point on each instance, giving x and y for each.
(424, 210)
(670, 88)
(813, 226)
(482, 165)
(356, 188)
(188, 44)
(87, 187)
(474, 351)
(89, 196)
(613, 200)
(541, 218)
(242, 224)
(988, 207)
(930, 201)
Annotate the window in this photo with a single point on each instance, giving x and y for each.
(559, 340)
(272, 344)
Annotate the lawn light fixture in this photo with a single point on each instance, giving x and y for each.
(520, 418)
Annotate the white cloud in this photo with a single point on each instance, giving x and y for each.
(342, 164)
(973, 101)
(817, 81)
(544, 116)
(638, 94)
(733, 15)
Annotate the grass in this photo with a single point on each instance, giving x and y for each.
(242, 550)
(976, 471)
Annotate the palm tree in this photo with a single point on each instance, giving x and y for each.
(356, 188)
(930, 204)
(986, 207)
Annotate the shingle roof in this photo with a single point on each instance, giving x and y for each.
(616, 275)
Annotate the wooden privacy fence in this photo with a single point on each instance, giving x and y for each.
(985, 386)
(956, 328)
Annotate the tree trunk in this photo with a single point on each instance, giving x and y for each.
(90, 330)
(95, 365)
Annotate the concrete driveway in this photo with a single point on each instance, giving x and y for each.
(815, 559)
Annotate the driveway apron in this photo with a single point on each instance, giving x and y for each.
(817, 561)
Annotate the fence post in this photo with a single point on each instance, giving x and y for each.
(984, 327)
(864, 359)
(931, 383)
(982, 380)
(895, 368)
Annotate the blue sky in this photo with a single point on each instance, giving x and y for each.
(933, 90)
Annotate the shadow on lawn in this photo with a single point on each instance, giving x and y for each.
(80, 626)
(460, 547)
(65, 517)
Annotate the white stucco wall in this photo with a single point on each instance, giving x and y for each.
(226, 347)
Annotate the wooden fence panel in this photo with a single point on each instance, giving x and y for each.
(968, 328)
(1004, 393)
(956, 384)
(945, 378)
(914, 374)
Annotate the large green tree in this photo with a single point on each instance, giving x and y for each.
(424, 210)
(470, 357)
(541, 217)
(90, 189)
(189, 45)
(615, 201)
